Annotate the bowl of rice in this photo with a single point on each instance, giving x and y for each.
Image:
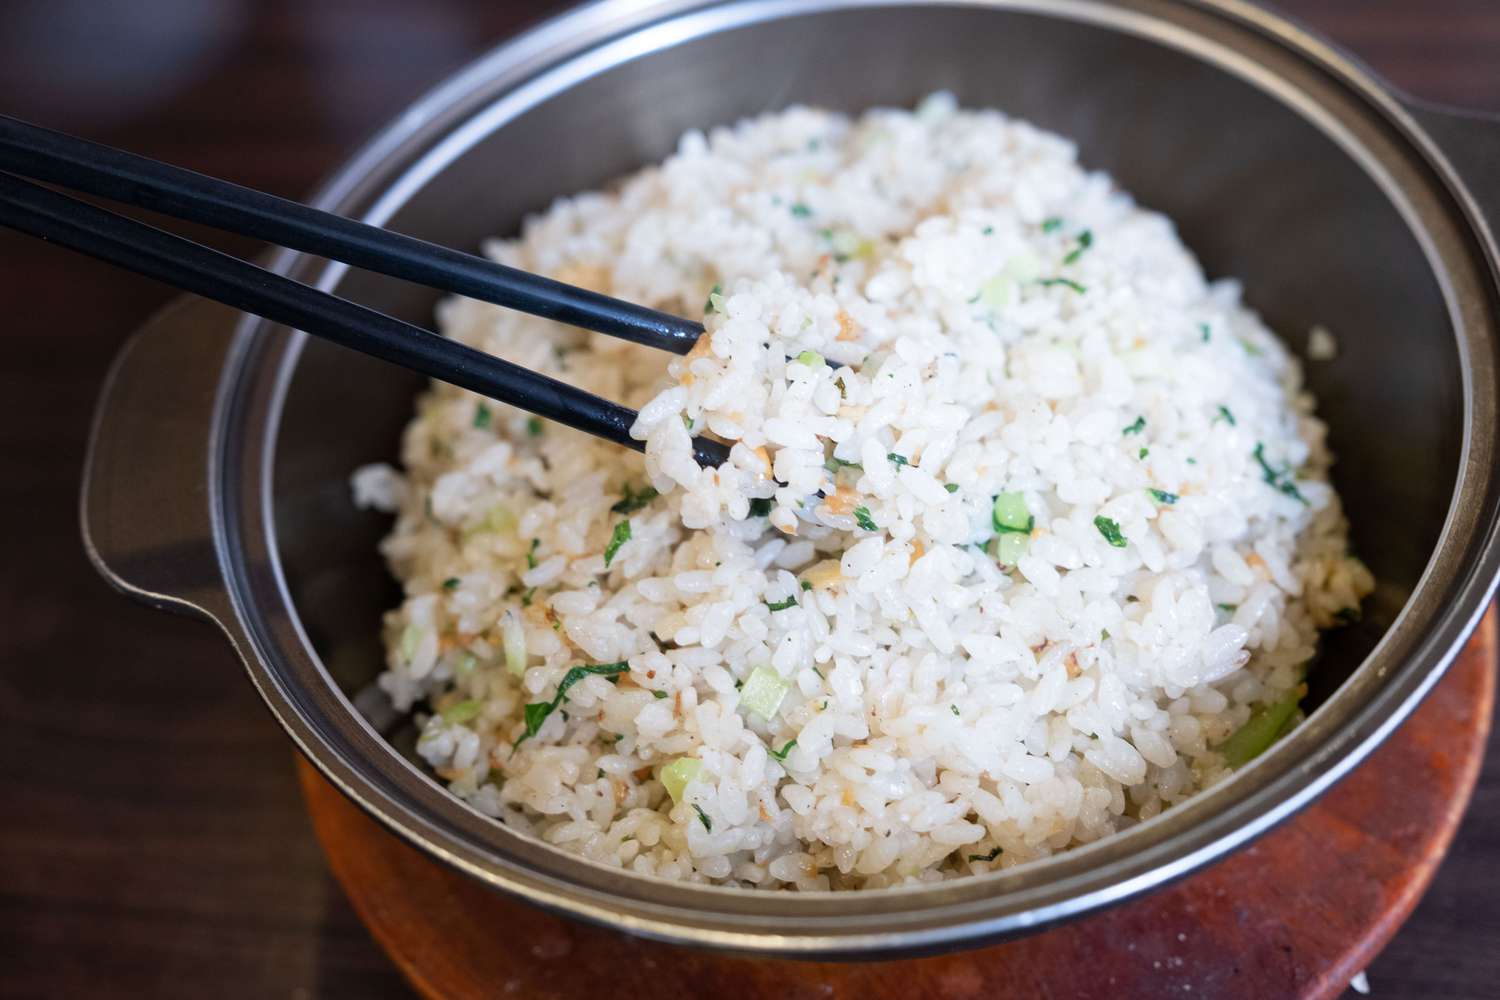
(1109, 394)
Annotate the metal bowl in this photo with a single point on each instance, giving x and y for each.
(216, 480)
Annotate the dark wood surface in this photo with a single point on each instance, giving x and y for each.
(1253, 926)
(153, 840)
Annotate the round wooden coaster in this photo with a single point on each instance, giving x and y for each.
(1294, 915)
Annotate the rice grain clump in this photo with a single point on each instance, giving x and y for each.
(1026, 533)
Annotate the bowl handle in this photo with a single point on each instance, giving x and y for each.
(145, 510)
(1471, 141)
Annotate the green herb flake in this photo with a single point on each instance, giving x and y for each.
(951, 487)
(1162, 496)
(1065, 282)
(707, 823)
(1250, 348)
(537, 712)
(708, 304)
(619, 538)
(1280, 481)
(864, 520)
(1207, 333)
(634, 501)
(1085, 240)
(896, 460)
(482, 416)
(790, 602)
(1228, 609)
(1225, 416)
(954, 709)
(806, 585)
(659, 695)
(1111, 531)
(1135, 428)
(987, 857)
(1143, 453)
(781, 754)
(800, 210)
(811, 359)
(761, 507)
(526, 597)
(534, 427)
(1051, 225)
(987, 231)
(451, 583)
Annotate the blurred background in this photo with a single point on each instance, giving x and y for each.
(153, 840)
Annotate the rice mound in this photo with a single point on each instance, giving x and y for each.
(830, 663)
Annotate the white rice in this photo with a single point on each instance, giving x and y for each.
(945, 714)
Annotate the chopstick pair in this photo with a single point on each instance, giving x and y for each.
(41, 154)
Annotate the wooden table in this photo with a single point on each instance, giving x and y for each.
(153, 840)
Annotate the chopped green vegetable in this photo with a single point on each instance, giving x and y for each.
(1085, 240)
(712, 303)
(659, 695)
(531, 553)
(1207, 334)
(896, 460)
(987, 857)
(410, 637)
(482, 416)
(790, 602)
(676, 776)
(864, 520)
(987, 231)
(1051, 225)
(619, 538)
(1136, 426)
(1065, 282)
(811, 359)
(781, 754)
(763, 692)
(834, 464)
(800, 210)
(1250, 348)
(1280, 481)
(513, 639)
(761, 507)
(1162, 496)
(526, 597)
(707, 823)
(534, 427)
(1010, 547)
(634, 501)
(1224, 415)
(537, 712)
(464, 711)
(451, 583)
(1143, 453)
(954, 709)
(1260, 730)
(1010, 514)
(1111, 531)
(1228, 608)
(951, 487)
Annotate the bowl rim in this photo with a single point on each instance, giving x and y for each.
(1448, 597)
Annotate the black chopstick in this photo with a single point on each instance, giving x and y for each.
(70, 162)
(146, 250)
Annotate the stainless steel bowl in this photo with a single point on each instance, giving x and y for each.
(216, 481)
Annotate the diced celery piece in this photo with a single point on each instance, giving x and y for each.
(1260, 730)
(464, 711)
(676, 776)
(811, 359)
(763, 692)
(996, 293)
(1011, 513)
(513, 638)
(1010, 547)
